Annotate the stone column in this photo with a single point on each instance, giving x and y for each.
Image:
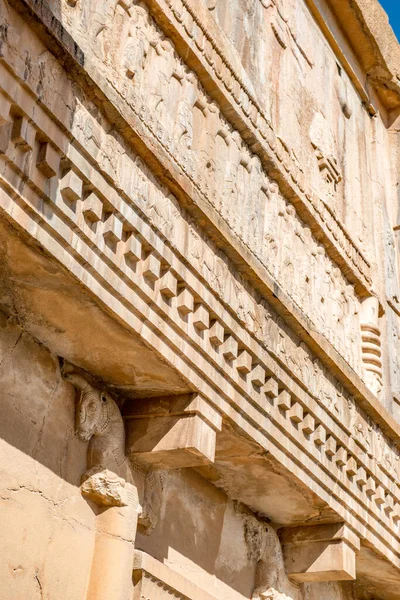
(109, 483)
(111, 572)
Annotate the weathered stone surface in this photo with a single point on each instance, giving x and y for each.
(199, 300)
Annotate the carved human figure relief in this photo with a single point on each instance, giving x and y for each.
(183, 131)
(137, 41)
(273, 199)
(160, 61)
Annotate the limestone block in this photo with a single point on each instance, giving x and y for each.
(48, 160)
(152, 267)
(172, 442)
(271, 388)
(172, 432)
(71, 186)
(201, 317)
(258, 376)
(351, 467)
(320, 553)
(396, 513)
(295, 413)
(230, 348)
(389, 504)
(284, 400)
(23, 134)
(308, 425)
(379, 496)
(370, 488)
(321, 561)
(92, 208)
(216, 334)
(112, 229)
(341, 457)
(133, 249)
(154, 579)
(185, 301)
(5, 137)
(330, 447)
(5, 106)
(169, 285)
(319, 435)
(361, 478)
(244, 362)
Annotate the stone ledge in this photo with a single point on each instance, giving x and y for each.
(261, 280)
(172, 432)
(320, 553)
(229, 400)
(152, 576)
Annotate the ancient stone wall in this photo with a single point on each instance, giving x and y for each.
(199, 270)
(48, 530)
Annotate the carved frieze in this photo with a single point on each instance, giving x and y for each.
(185, 18)
(170, 99)
(303, 399)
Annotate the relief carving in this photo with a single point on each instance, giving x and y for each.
(171, 100)
(211, 264)
(110, 479)
(99, 422)
(323, 143)
(264, 546)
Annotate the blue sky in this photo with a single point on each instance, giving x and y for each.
(392, 8)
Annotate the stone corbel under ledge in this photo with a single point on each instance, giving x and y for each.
(320, 552)
(171, 432)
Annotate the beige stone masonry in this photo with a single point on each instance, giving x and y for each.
(228, 400)
(153, 579)
(172, 432)
(320, 553)
(300, 326)
(228, 367)
(197, 38)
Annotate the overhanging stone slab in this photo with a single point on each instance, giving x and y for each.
(320, 553)
(172, 432)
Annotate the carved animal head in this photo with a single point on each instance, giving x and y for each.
(92, 411)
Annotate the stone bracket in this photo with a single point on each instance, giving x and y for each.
(172, 432)
(320, 552)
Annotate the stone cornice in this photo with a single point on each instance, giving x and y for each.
(354, 470)
(137, 132)
(204, 49)
(368, 32)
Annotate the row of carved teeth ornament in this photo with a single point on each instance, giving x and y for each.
(86, 208)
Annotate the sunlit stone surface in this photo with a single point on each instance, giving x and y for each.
(199, 300)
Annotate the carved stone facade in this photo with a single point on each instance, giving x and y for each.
(199, 300)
